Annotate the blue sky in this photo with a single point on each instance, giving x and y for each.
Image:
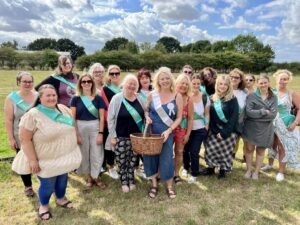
(90, 23)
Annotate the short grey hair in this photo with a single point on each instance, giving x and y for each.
(129, 77)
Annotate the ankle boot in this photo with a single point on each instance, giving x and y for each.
(208, 171)
(222, 174)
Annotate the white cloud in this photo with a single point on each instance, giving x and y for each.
(241, 23)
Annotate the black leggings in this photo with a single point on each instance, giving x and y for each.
(109, 156)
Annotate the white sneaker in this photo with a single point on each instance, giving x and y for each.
(267, 167)
(248, 175)
(184, 173)
(192, 179)
(140, 173)
(113, 173)
(279, 177)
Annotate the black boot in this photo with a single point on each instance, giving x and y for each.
(221, 174)
(208, 171)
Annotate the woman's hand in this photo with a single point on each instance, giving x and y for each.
(166, 133)
(113, 141)
(79, 141)
(148, 120)
(13, 144)
(35, 167)
(292, 126)
(100, 139)
(186, 139)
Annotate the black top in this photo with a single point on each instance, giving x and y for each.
(82, 113)
(109, 93)
(125, 123)
(231, 112)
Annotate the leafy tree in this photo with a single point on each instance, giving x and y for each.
(201, 46)
(13, 44)
(42, 43)
(152, 59)
(161, 48)
(66, 45)
(145, 46)
(132, 47)
(247, 43)
(50, 58)
(171, 44)
(118, 43)
(7, 55)
(187, 48)
(221, 46)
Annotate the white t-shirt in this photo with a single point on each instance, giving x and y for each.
(199, 109)
(241, 97)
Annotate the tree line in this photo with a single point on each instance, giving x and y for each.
(244, 51)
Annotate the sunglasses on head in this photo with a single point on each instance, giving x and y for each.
(114, 74)
(86, 82)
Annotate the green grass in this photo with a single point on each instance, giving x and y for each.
(208, 201)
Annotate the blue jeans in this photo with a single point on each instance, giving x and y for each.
(57, 184)
(192, 150)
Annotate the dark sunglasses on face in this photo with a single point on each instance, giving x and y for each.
(114, 74)
(188, 72)
(234, 78)
(86, 81)
(250, 80)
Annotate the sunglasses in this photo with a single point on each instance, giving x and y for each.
(188, 72)
(114, 74)
(26, 82)
(234, 78)
(250, 80)
(86, 82)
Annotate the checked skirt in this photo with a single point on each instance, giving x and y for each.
(218, 153)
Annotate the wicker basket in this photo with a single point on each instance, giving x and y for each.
(147, 144)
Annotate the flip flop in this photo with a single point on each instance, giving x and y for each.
(171, 193)
(153, 192)
(41, 215)
(66, 205)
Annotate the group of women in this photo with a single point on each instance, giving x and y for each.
(84, 123)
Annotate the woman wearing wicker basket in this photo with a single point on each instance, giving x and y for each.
(164, 111)
(125, 116)
(183, 131)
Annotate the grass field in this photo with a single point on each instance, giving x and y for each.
(208, 201)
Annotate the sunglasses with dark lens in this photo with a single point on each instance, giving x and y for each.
(114, 74)
(188, 72)
(234, 78)
(86, 82)
(250, 80)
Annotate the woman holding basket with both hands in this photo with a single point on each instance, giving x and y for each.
(164, 111)
(125, 116)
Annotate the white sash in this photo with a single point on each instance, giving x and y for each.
(160, 111)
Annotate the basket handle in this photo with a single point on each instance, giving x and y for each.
(146, 128)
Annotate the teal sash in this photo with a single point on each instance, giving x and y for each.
(20, 102)
(203, 89)
(200, 117)
(143, 95)
(286, 116)
(114, 88)
(135, 115)
(60, 78)
(257, 92)
(55, 116)
(90, 106)
(183, 123)
(218, 108)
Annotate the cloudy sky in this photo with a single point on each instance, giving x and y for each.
(90, 23)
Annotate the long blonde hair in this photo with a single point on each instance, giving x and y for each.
(160, 71)
(106, 78)
(79, 90)
(181, 78)
(229, 93)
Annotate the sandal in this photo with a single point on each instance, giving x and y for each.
(100, 184)
(171, 193)
(41, 215)
(29, 192)
(177, 179)
(153, 192)
(66, 205)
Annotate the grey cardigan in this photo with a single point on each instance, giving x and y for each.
(258, 125)
(113, 111)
